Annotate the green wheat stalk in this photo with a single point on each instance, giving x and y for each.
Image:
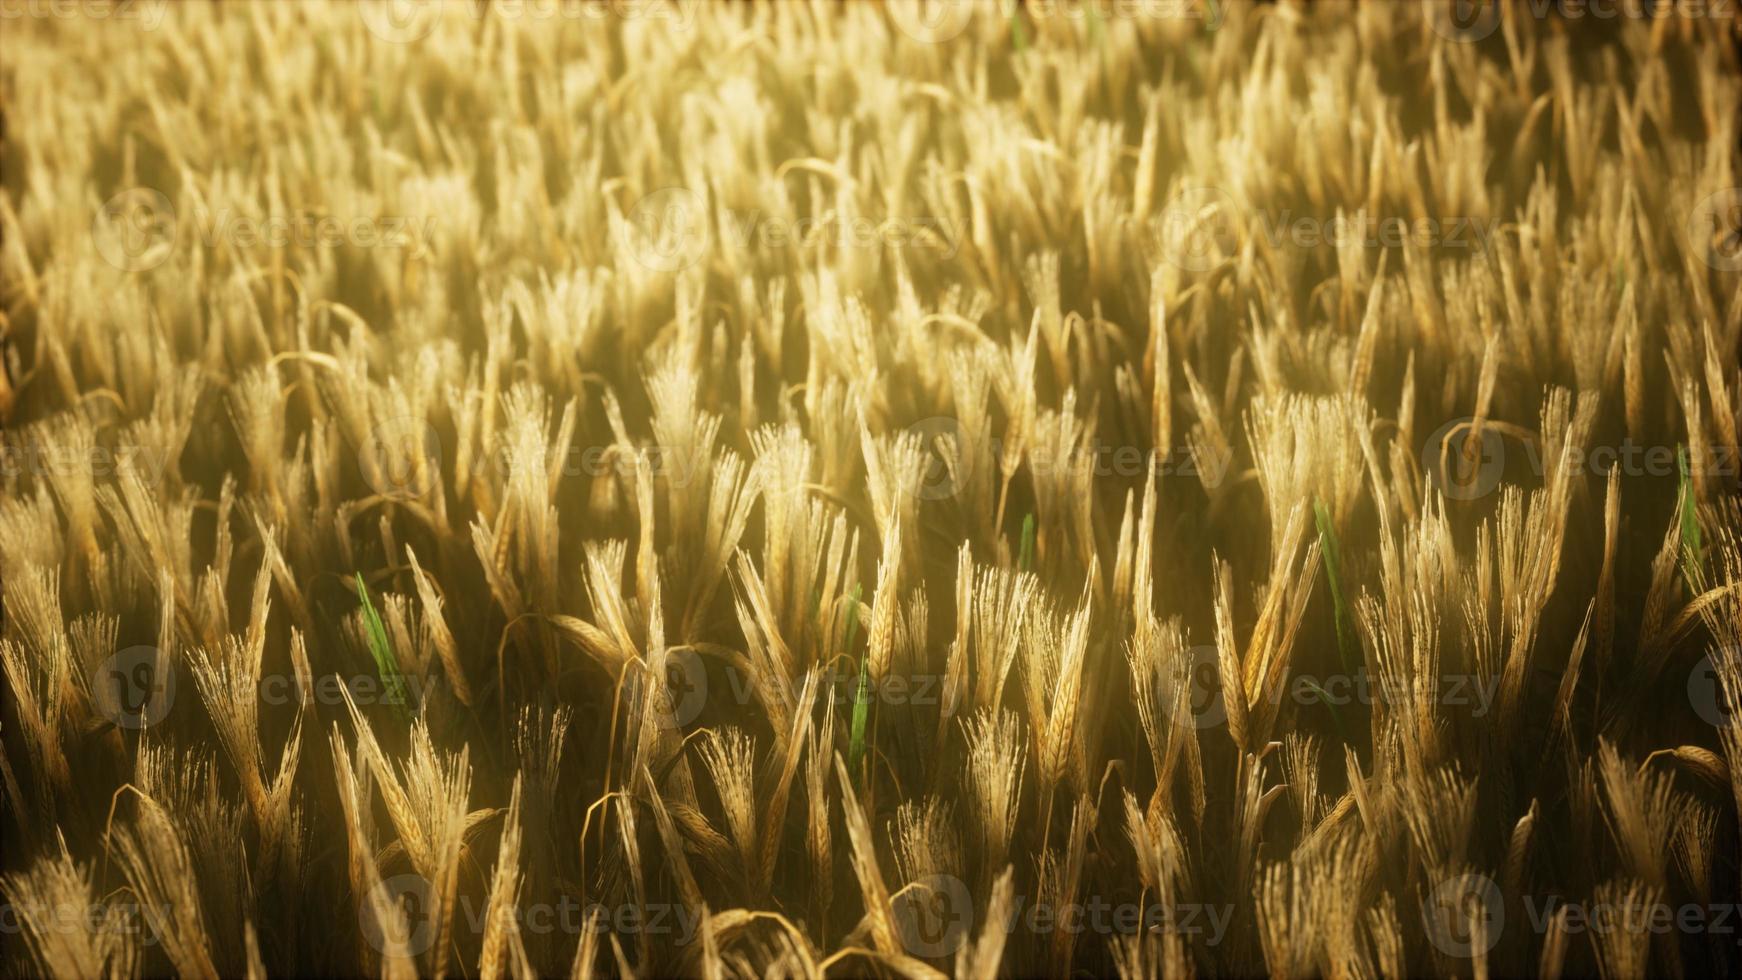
(861, 697)
(1333, 556)
(1693, 548)
(385, 663)
(1325, 699)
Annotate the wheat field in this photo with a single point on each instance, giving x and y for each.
(925, 488)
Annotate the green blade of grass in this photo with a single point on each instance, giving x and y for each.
(385, 663)
(853, 617)
(1693, 548)
(1333, 556)
(1325, 698)
(1026, 561)
(861, 697)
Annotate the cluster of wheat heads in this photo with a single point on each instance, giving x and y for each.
(803, 488)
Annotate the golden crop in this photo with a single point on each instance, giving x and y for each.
(931, 487)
